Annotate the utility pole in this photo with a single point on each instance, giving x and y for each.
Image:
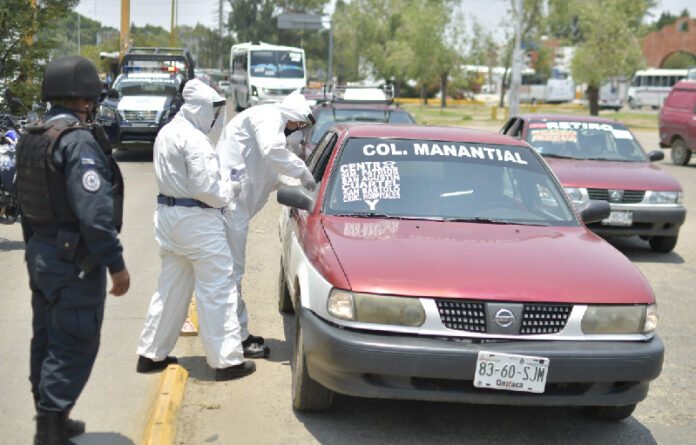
(78, 35)
(221, 34)
(514, 98)
(172, 36)
(125, 27)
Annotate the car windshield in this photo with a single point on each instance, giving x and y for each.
(328, 118)
(450, 181)
(584, 140)
(282, 64)
(146, 86)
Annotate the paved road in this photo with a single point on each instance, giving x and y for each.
(257, 409)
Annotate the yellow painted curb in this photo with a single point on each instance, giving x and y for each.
(161, 426)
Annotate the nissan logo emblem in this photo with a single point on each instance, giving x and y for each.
(504, 318)
(615, 195)
(140, 115)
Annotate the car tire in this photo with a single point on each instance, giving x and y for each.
(663, 244)
(680, 154)
(632, 103)
(284, 299)
(610, 412)
(307, 395)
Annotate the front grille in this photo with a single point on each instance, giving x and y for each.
(140, 115)
(544, 318)
(462, 315)
(629, 196)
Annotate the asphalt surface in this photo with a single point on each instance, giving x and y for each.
(257, 408)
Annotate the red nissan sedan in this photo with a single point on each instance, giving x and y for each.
(599, 159)
(446, 264)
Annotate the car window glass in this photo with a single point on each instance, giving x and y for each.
(584, 140)
(508, 125)
(400, 117)
(328, 118)
(517, 129)
(313, 159)
(444, 180)
(323, 158)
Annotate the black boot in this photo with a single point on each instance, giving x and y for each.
(254, 348)
(234, 372)
(50, 428)
(148, 365)
(72, 427)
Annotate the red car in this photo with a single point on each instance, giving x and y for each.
(600, 159)
(446, 264)
(678, 121)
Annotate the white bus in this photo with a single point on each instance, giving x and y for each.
(650, 87)
(265, 73)
(557, 89)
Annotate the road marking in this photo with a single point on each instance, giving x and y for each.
(161, 426)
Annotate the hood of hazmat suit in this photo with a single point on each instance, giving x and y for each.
(192, 240)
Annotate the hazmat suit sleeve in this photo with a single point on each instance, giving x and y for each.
(272, 145)
(205, 180)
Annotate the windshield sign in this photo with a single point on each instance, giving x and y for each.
(584, 140)
(278, 64)
(449, 181)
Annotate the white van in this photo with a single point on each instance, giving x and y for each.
(265, 73)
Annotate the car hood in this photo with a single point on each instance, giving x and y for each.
(612, 175)
(142, 103)
(483, 261)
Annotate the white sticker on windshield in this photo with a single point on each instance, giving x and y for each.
(370, 182)
(462, 151)
(296, 57)
(622, 134)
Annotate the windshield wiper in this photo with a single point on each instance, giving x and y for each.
(385, 216)
(554, 155)
(478, 219)
(599, 158)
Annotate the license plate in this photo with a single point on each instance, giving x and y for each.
(511, 372)
(619, 218)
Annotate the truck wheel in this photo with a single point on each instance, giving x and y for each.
(680, 154)
(632, 103)
(237, 107)
(284, 300)
(663, 244)
(610, 412)
(307, 395)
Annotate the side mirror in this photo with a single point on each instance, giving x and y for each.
(17, 106)
(295, 196)
(112, 94)
(656, 155)
(595, 211)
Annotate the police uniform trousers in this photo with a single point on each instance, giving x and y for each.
(67, 318)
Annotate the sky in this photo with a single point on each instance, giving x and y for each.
(191, 12)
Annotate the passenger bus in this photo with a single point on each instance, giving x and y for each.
(650, 87)
(265, 73)
(558, 89)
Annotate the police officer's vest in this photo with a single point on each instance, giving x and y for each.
(41, 186)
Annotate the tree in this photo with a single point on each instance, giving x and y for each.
(22, 56)
(611, 46)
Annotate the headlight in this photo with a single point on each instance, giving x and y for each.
(106, 112)
(665, 197)
(635, 319)
(372, 308)
(577, 194)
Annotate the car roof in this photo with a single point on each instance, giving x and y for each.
(439, 133)
(685, 85)
(566, 117)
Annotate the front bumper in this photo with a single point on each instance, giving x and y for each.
(648, 220)
(123, 131)
(366, 364)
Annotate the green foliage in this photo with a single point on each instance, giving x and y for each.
(23, 57)
(611, 46)
(679, 60)
(666, 19)
(206, 45)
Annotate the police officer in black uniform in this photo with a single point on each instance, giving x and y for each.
(70, 192)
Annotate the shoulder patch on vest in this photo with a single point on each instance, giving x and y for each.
(91, 181)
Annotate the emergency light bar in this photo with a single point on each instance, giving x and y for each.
(169, 69)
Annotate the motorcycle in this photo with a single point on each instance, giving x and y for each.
(10, 129)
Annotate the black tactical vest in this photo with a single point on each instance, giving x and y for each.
(41, 186)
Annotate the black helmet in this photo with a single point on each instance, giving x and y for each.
(70, 76)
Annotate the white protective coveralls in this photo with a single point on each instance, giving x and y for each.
(256, 139)
(192, 239)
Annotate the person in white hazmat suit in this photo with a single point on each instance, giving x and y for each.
(190, 230)
(255, 146)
